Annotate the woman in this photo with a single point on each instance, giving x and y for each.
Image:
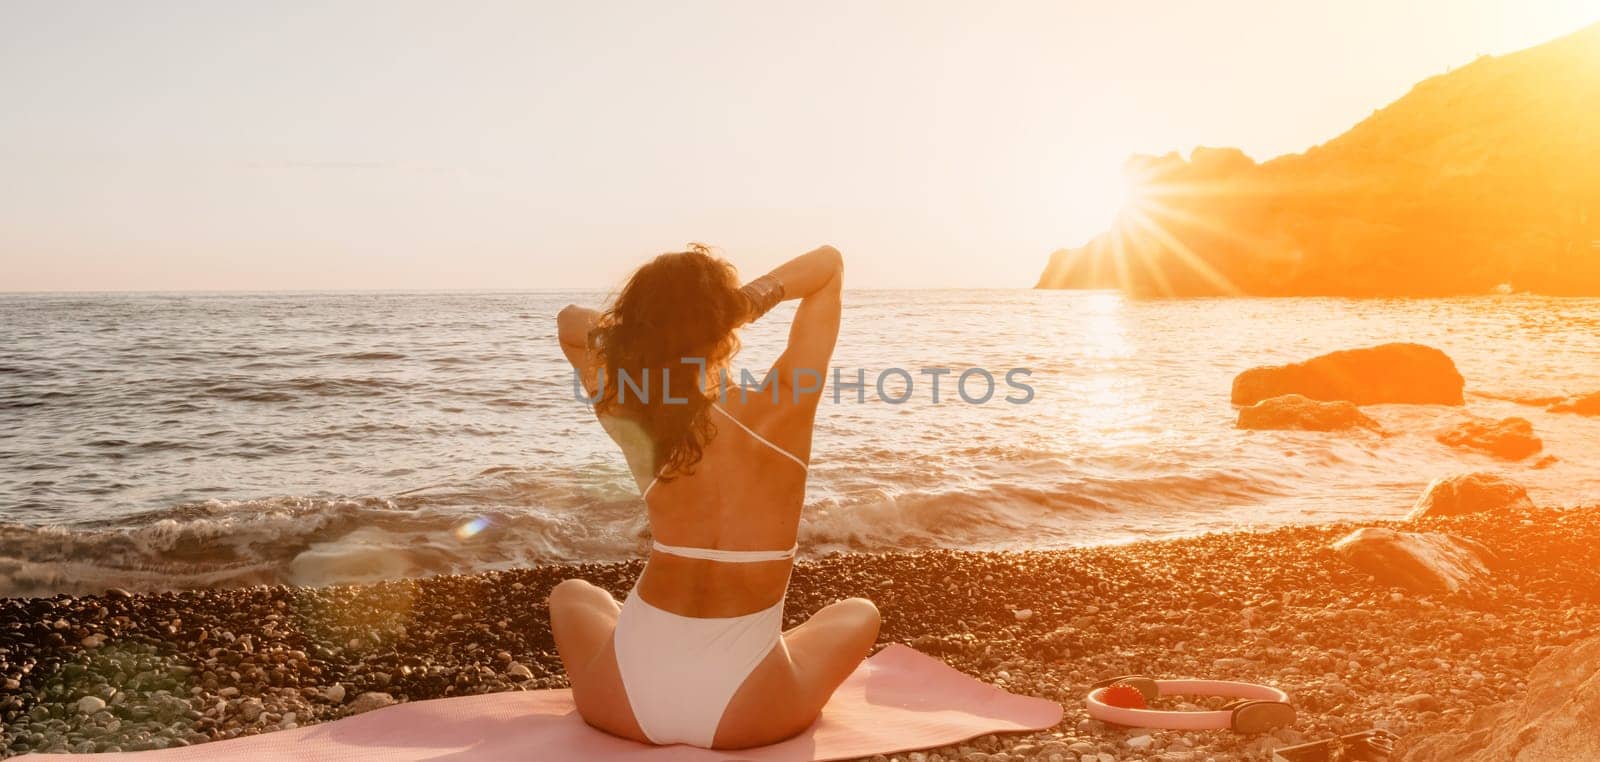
(696, 654)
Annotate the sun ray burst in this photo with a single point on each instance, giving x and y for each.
(1186, 255)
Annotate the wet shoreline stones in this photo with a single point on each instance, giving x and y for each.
(1474, 492)
(1293, 411)
(1582, 404)
(1507, 438)
(120, 671)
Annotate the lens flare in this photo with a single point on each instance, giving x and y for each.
(467, 530)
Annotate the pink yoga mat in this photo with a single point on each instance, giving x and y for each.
(897, 700)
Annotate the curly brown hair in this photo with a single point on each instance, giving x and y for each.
(681, 305)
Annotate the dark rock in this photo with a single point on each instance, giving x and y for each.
(1469, 493)
(1294, 411)
(1588, 404)
(1509, 438)
(1424, 562)
(1555, 720)
(1402, 373)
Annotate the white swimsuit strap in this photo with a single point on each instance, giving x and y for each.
(729, 556)
(759, 438)
(747, 430)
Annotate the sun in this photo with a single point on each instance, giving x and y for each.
(1144, 232)
(1132, 192)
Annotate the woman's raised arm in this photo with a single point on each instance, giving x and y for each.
(573, 324)
(816, 278)
(804, 275)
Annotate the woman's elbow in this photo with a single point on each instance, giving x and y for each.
(571, 324)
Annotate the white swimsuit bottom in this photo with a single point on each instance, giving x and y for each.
(680, 672)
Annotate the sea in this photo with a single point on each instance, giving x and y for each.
(180, 440)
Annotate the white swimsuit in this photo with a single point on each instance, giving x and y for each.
(680, 672)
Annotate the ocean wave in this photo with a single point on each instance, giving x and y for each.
(298, 541)
(291, 389)
(1531, 400)
(367, 356)
(244, 393)
(502, 518)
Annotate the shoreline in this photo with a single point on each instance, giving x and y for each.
(1275, 606)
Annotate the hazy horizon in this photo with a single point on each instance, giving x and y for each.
(403, 147)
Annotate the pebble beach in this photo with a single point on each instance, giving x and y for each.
(121, 671)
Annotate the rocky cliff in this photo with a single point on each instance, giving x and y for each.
(1483, 179)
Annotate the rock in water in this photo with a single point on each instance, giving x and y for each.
(1425, 562)
(371, 700)
(1407, 373)
(1588, 404)
(1555, 720)
(1469, 493)
(1294, 411)
(1509, 438)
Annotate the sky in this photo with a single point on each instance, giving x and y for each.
(523, 145)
